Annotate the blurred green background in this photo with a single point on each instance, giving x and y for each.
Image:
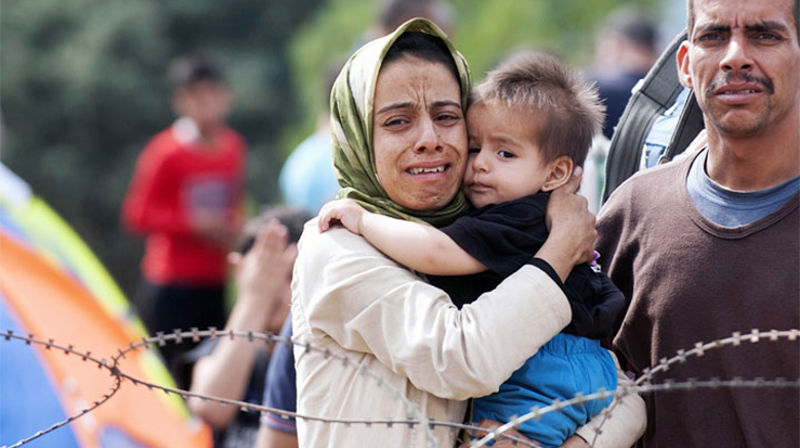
(83, 85)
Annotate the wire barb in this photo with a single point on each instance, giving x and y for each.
(415, 418)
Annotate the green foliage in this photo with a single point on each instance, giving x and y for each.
(83, 88)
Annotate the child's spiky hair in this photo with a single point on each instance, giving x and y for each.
(541, 84)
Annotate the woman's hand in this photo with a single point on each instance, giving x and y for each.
(572, 228)
(575, 442)
(501, 442)
(572, 442)
(343, 211)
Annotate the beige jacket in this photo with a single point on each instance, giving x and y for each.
(350, 299)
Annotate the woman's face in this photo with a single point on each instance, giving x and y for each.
(419, 133)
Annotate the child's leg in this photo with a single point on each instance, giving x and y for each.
(564, 367)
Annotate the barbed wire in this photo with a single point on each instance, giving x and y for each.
(67, 350)
(642, 384)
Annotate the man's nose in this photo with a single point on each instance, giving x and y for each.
(737, 55)
(428, 137)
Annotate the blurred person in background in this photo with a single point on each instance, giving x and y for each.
(626, 49)
(185, 197)
(236, 368)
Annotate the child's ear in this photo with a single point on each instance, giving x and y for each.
(559, 172)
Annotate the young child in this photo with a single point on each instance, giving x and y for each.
(186, 198)
(530, 123)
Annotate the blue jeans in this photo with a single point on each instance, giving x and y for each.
(565, 366)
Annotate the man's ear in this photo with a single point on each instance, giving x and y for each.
(559, 172)
(682, 59)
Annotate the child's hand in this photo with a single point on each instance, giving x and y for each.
(343, 211)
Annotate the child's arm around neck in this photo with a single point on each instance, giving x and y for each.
(417, 246)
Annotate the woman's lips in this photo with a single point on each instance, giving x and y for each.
(427, 170)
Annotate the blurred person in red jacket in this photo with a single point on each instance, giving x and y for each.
(186, 198)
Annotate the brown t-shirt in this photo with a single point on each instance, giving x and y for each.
(688, 280)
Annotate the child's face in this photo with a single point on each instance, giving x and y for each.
(207, 103)
(504, 161)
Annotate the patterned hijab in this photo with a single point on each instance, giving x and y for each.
(352, 101)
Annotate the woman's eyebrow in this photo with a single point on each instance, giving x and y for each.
(446, 103)
(407, 104)
(394, 106)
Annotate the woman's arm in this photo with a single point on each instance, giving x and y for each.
(420, 247)
(346, 290)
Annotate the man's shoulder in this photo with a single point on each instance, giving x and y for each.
(646, 193)
(661, 179)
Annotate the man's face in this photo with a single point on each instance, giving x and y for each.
(742, 60)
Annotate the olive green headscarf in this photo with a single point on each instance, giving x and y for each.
(352, 100)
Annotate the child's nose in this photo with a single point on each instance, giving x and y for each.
(479, 161)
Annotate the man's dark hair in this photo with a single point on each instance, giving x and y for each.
(690, 18)
(292, 218)
(189, 69)
(424, 46)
